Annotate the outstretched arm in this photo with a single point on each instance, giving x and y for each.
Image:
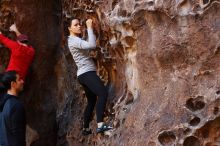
(8, 42)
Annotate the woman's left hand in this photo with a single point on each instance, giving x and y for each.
(89, 23)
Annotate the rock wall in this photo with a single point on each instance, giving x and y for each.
(168, 54)
(158, 58)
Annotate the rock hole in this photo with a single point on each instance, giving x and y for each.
(167, 138)
(218, 92)
(195, 121)
(211, 130)
(205, 2)
(191, 141)
(187, 131)
(125, 109)
(129, 99)
(114, 3)
(129, 40)
(116, 123)
(216, 110)
(197, 8)
(195, 104)
(122, 13)
(123, 121)
(150, 3)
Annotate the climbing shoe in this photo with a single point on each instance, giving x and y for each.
(86, 131)
(103, 128)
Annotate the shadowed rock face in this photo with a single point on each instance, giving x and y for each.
(159, 60)
(41, 21)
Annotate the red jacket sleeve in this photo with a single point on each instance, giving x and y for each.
(7, 42)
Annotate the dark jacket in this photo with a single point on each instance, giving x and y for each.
(12, 121)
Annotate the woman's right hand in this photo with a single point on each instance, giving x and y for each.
(89, 23)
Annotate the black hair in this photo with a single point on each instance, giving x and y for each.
(6, 79)
(67, 24)
(12, 35)
(25, 42)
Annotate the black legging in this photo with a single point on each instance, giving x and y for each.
(93, 87)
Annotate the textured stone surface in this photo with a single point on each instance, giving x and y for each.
(41, 21)
(159, 59)
(168, 53)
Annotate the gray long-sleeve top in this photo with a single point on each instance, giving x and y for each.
(80, 51)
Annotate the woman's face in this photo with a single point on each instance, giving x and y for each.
(75, 27)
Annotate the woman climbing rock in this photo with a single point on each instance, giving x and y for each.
(86, 74)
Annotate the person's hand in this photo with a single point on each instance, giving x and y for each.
(89, 23)
(13, 28)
